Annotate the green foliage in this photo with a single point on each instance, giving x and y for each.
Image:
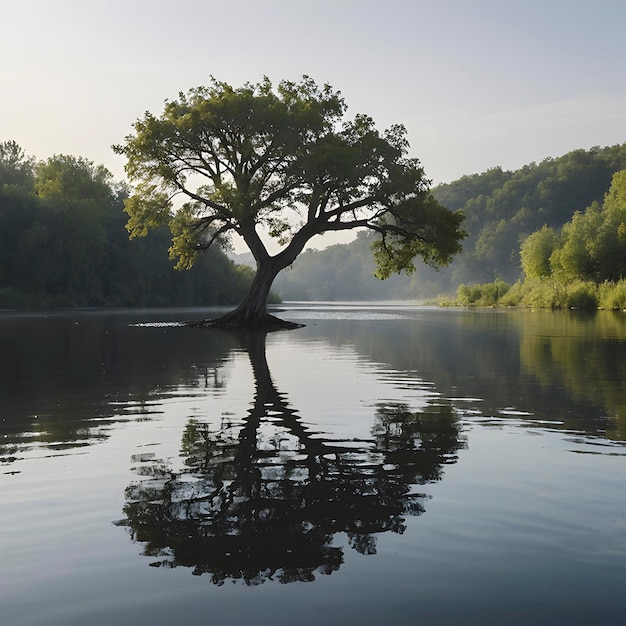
(537, 293)
(612, 296)
(502, 208)
(438, 242)
(512, 297)
(565, 272)
(341, 272)
(487, 294)
(582, 295)
(63, 243)
(543, 294)
(282, 159)
(495, 229)
(574, 257)
(536, 251)
(591, 247)
(16, 168)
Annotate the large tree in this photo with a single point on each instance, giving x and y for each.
(281, 161)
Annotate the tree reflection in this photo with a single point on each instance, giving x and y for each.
(584, 353)
(67, 378)
(266, 499)
(565, 368)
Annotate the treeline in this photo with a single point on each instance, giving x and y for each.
(341, 272)
(581, 265)
(63, 242)
(501, 208)
(544, 233)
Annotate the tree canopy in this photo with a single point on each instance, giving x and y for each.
(63, 243)
(591, 246)
(284, 161)
(502, 208)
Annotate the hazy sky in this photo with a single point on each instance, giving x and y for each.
(477, 83)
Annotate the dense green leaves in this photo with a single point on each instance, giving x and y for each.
(235, 155)
(16, 168)
(583, 267)
(592, 245)
(502, 208)
(281, 161)
(536, 251)
(63, 243)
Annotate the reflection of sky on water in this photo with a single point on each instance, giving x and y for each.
(265, 495)
(345, 315)
(525, 526)
(356, 311)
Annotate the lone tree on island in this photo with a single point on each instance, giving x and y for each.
(281, 160)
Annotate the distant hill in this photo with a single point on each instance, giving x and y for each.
(501, 209)
(244, 258)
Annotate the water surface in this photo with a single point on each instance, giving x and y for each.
(385, 463)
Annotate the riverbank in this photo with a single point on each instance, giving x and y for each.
(542, 293)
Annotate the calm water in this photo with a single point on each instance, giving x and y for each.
(384, 464)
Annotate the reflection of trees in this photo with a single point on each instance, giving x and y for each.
(585, 354)
(266, 499)
(417, 443)
(65, 378)
(566, 367)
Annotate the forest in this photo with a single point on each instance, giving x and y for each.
(64, 243)
(502, 209)
(549, 234)
(582, 265)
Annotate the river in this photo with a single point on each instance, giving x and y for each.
(386, 463)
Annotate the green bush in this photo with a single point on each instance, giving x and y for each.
(612, 296)
(544, 293)
(582, 295)
(513, 296)
(487, 294)
(539, 293)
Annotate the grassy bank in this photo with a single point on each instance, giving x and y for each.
(544, 293)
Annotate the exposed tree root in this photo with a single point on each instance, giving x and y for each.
(265, 322)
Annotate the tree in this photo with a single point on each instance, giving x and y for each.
(501, 208)
(79, 199)
(609, 248)
(590, 247)
(16, 169)
(536, 250)
(221, 161)
(592, 244)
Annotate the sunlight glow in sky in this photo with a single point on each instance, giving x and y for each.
(477, 83)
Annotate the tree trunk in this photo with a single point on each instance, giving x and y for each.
(252, 312)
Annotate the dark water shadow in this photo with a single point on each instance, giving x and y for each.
(252, 509)
(67, 380)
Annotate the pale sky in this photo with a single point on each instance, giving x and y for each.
(477, 83)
